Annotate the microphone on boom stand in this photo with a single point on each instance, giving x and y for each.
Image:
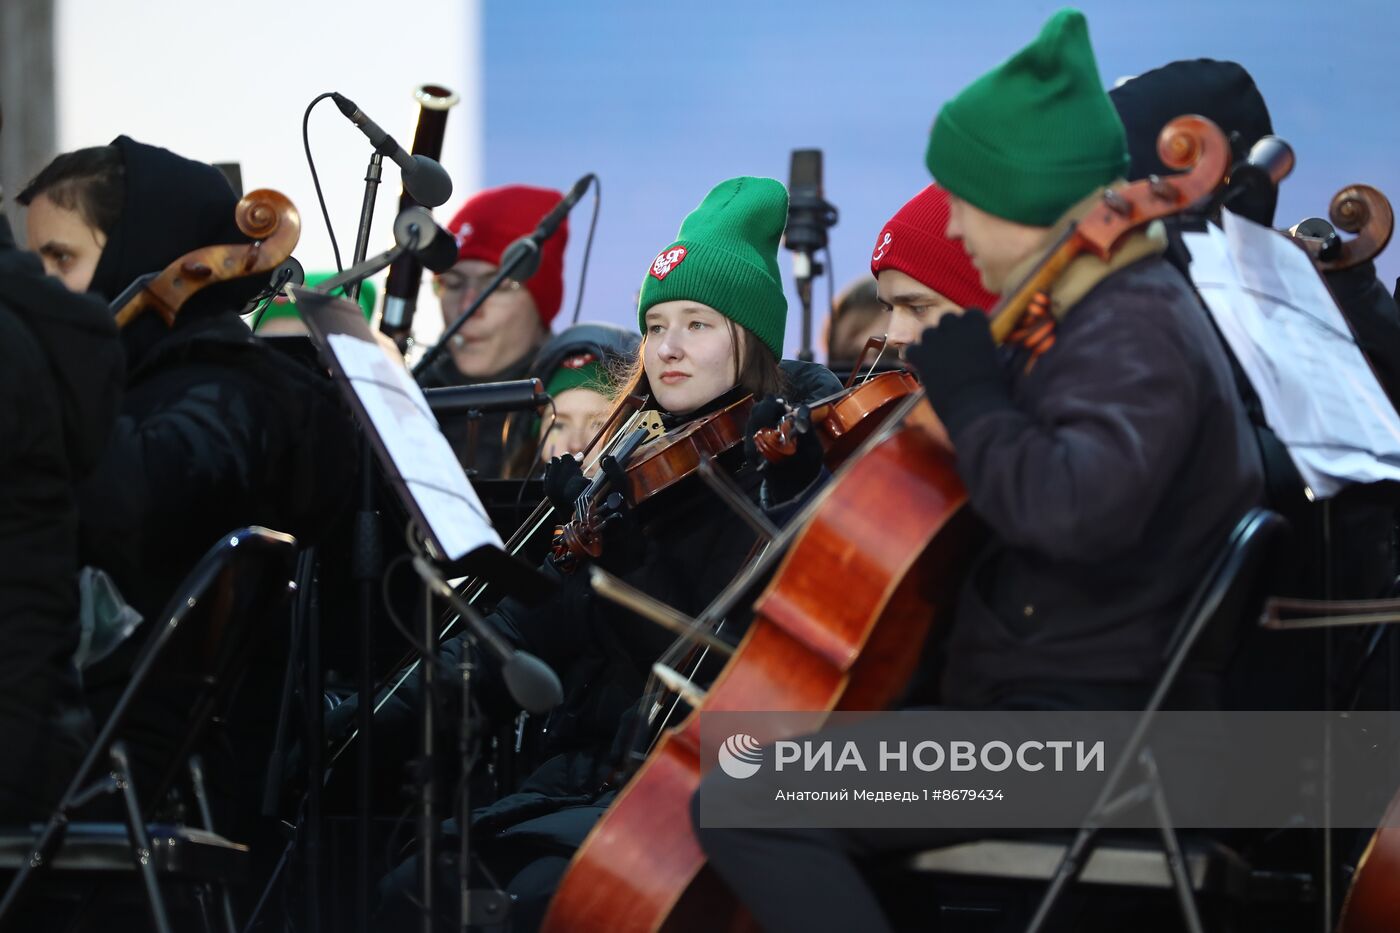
(809, 218)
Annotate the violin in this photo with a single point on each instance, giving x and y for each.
(841, 421)
(268, 216)
(651, 466)
(868, 574)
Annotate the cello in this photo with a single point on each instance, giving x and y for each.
(1358, 209)
(834, 628)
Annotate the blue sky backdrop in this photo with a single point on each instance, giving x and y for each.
(662, 100)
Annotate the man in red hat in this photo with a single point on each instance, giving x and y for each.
(921, 274)
(504, 334)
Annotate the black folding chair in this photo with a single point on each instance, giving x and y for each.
(1223, 607)
(208, 631)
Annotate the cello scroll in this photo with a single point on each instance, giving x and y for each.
(1189, 142)
(1366, 212)
(267, 216)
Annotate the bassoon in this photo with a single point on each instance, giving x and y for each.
(406, 273)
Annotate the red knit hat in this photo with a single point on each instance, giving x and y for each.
(493, 219)
(913, 242)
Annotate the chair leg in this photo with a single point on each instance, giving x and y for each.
(1171, 846)
(1070, 865)
(140, 839)
(206, 816)
(43, 849)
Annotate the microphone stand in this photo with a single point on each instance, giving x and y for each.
(367, 567)
(805, 270)
(530, 683)
(372, 175)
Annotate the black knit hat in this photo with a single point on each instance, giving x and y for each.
(1223, 92)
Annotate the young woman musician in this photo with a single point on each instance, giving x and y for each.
(712, 312)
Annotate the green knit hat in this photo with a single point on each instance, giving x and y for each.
(726, 256)
(1036, 134)
(283, 307)
(570, 375)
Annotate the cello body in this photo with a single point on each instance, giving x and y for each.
(1372, 903)
(840, 627)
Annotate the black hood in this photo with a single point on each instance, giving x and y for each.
(171, 206)
(80, 340)
(1223, 92)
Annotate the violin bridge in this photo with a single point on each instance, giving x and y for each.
(650, 421)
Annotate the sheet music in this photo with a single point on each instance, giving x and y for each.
(1318, 392)
(421, 456)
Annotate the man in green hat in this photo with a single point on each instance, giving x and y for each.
(1104, 448)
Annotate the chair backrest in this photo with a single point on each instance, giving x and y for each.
(1223, 607)
(194, 655)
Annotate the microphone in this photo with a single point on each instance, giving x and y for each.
(416, 232)
(523, 256)
(488, 397)
(809, 217)
(551, 221)
(423, 178)
(531, 682)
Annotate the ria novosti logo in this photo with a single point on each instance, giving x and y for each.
(740, 756)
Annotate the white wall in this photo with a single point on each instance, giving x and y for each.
(228, 82)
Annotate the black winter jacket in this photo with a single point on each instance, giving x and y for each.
(60, 381)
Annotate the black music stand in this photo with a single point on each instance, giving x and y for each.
(425, 475)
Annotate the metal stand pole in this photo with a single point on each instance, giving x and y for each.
(464, 738)
(368, 561)
(806, 270)
(427, 813)
(367, 571)
(372, 174)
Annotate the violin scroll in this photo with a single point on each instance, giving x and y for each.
(780, 441)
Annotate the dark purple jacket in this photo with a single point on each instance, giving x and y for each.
(1109, 483)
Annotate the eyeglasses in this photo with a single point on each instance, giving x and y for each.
(453, 287)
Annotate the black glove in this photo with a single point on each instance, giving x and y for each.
(614, 512)
(624, 541)
(787, 477)
(957, 362)
(563, 482)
